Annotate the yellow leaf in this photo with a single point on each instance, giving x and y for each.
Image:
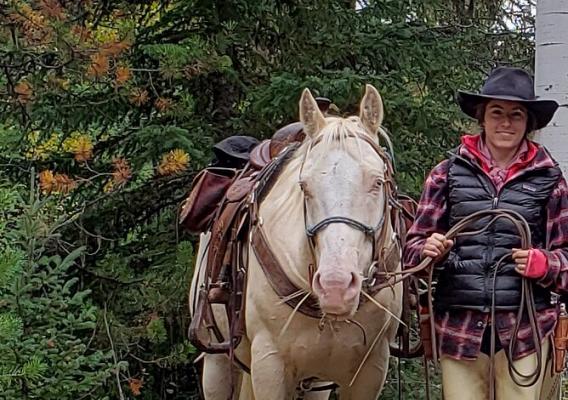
(173, 162)
(84, 149)
(109, 186)
(80, 145)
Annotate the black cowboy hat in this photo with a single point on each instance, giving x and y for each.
(514, 84)
(237, 146)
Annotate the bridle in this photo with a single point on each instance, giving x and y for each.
(377, 233)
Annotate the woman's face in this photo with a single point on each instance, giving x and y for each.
(505, 124)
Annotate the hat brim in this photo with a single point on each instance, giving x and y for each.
(237, 146)
(543, 110)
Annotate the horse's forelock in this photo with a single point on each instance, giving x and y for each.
(335, 134)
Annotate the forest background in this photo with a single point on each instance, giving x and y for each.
(109, 108)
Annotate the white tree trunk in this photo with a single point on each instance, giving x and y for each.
(551, 82)
(551, 74)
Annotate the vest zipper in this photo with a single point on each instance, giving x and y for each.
(492, 189)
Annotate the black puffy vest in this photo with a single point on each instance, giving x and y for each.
(466, 278)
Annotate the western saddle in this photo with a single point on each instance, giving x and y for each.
(220, 203)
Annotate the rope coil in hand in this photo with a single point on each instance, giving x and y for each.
(527, 297)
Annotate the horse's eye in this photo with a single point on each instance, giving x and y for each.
(378, 184)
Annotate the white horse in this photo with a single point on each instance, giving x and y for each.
(334, 188)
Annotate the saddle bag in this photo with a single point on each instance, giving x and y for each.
(208, 189)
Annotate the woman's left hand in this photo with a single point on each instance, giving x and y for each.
(521, 258)
(531, 263)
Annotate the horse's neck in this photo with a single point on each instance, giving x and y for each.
(282, 214)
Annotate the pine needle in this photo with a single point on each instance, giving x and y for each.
(375, 302)
(289, 320)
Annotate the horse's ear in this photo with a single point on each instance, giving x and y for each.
(310, 114)
(371, 109)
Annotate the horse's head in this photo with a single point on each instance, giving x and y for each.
(344, 179)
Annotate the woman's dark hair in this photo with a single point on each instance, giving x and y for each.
(480, 117)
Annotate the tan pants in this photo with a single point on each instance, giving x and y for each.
(469, 379)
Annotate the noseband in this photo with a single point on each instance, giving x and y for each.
(377, 233)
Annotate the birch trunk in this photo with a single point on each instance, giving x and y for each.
(551, 82)
(551, 77)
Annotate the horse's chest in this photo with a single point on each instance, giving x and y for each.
(328, 349)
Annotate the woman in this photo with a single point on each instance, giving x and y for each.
(500, 168)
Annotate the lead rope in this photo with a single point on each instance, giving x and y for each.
(527, 297)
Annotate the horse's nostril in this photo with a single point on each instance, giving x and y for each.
(323, 283)
(354, 280)
(317, 287)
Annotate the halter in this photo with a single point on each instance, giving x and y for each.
(376, 233)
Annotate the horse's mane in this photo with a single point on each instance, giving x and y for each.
(337, 131)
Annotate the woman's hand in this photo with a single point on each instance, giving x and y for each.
(437, 246)
(521, 258)
(531, 263)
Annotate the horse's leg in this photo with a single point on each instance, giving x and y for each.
(216, 381)
(270, 378)
(371, 378)
(246, 388)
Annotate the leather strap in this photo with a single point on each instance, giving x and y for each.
(277, 278)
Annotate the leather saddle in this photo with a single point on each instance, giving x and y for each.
(225, 270)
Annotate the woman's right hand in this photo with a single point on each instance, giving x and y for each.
(437, 246)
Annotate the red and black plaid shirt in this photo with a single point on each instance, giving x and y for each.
(460, 332)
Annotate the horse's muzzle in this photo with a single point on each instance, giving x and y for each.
(338, 293)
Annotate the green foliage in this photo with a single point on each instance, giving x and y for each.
(156, 331)
(45, 319)
(11, 327)
(11, 261)
(408, 377)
